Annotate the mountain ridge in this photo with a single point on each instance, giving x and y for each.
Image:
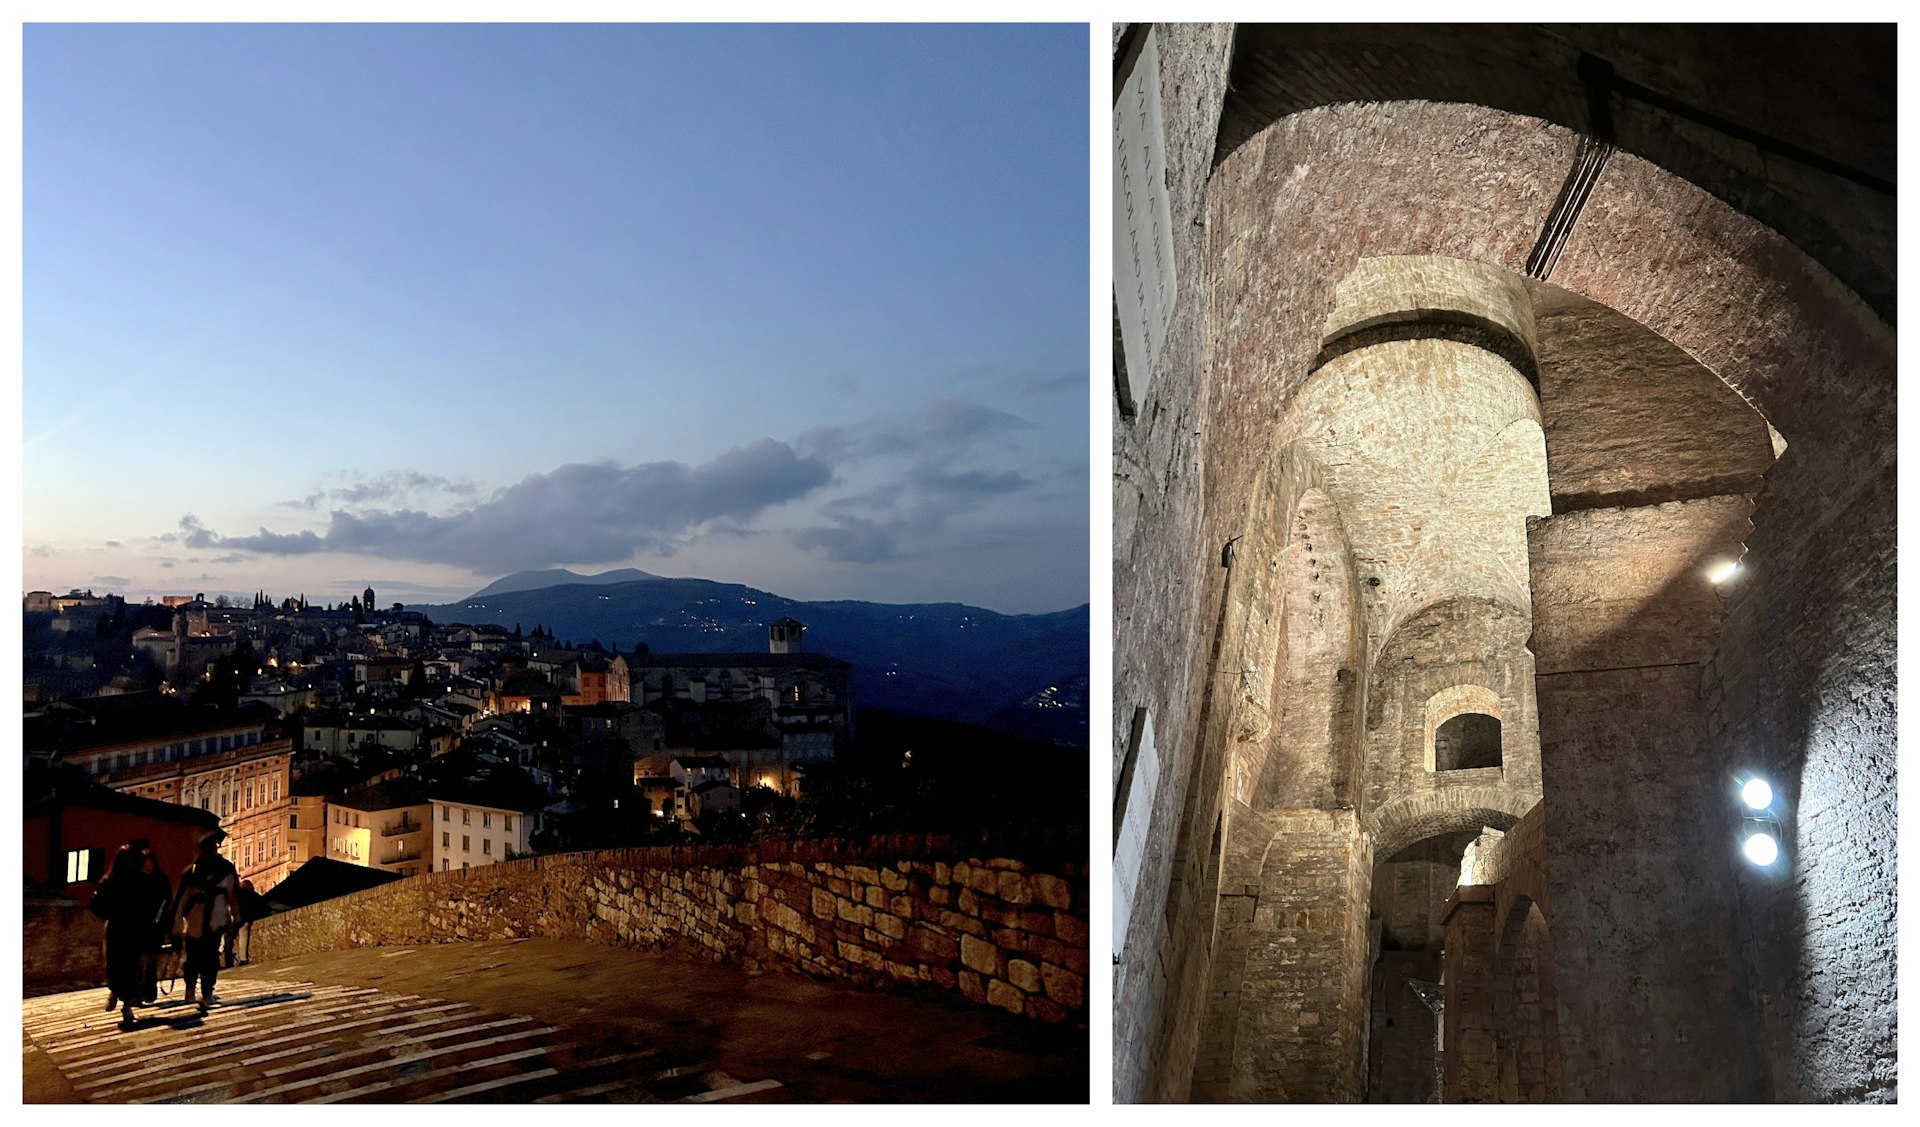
(1026, 675)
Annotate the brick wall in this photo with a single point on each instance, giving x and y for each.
(898, 913)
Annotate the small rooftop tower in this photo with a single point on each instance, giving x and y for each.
(366, 600)
(783, 637)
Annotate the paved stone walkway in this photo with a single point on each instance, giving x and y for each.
(536, 1022)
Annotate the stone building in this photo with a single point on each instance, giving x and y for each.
(807, 697)
(235, 771)
(1503, 431)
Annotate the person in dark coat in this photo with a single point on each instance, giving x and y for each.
(135, 910)
(160, 891)
(205, 908)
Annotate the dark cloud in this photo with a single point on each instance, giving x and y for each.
(193, 534)
(973, 483)
(402, 483)
(850, 540)
(392, 486)
(956, 459)
(111, 581)
(113, 544)
(578, 513)
(231, 558)
(944, 430)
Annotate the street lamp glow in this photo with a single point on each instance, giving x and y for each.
(1723, 572)
(1761, 849)
(1757, 794)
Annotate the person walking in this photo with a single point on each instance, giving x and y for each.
(135, 910)
(157, 891)
(204, 909)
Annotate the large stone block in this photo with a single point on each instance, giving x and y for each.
(979, 955)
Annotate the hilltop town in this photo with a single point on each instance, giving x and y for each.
(376, 738)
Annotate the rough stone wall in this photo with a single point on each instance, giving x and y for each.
(1640, 832)
(1402, 1051)
(1525, 1005)
(62, 947)
(1803, 691)
(1464, 642)
(1157, 467)
(1631, 419)
(1628, 587)
(991, 930)
(1804, 678)
(1300, 1031)
(1470, 1060)
(1410, 891)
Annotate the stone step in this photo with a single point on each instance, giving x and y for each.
(295, 1042)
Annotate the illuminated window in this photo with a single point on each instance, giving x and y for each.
(79, 865)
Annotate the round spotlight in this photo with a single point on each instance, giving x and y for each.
(1761, 849)
(1757, 794)
(1723, 571)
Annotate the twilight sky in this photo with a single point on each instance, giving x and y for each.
(309, 308)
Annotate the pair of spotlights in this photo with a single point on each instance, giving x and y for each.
(1760, 831)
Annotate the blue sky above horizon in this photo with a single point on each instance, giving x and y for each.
(309, 307)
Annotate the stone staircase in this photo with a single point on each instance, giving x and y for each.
(276, 1041)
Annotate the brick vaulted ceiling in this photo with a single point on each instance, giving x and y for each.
(1789, 124)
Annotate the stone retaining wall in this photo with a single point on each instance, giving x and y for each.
(62, 946)
(908, 914)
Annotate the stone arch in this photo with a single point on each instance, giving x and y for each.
(1526, 1006)
(1404, 821)
(1291, 662)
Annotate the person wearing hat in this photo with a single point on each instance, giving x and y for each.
(204, 909)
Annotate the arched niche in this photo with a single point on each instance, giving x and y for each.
(1463, 729)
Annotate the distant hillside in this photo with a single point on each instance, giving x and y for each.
(1023, 674)
(555, 576)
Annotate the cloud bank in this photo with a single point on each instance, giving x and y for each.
(580, 512)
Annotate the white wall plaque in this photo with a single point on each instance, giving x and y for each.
(1143, 283)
